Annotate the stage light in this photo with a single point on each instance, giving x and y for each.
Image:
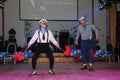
(100, 6)
(108, 5)
(104, 4)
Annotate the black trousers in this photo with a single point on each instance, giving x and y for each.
(43, 48)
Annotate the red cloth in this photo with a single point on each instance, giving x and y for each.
(77, 56)
(68, 49)
(18, 56)
(92, 53)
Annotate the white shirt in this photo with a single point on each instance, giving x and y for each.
(39, 34)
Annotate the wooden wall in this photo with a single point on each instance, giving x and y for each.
(112, 25)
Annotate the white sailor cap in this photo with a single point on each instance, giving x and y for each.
(82, 18)
(42, 20)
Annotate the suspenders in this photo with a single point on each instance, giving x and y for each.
(39, 36)
(47, 36)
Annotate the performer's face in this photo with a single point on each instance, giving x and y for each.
(43, 24)
(83, 22)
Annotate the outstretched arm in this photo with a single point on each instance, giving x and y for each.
(33, 39)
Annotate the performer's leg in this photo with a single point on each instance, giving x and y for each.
(51, 60)
(91, 60)
(84, 57)
(34, 58)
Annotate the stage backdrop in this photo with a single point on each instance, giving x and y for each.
(50, 9)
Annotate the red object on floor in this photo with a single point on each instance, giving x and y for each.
(18, 56)
(77, 56)
(92, 53)
(68, 49)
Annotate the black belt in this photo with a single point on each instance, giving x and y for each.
(43, 43)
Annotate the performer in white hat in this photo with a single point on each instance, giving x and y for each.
(87, 42)
(43, 37)
(43, 20)
(82, 18)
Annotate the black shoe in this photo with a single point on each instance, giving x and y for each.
(33, 73)
(84, 68)
(51, 72)
(91, 68)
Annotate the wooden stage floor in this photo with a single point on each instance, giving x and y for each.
(65, 71)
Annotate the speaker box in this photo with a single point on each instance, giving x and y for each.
(1, 40)
(118, 29)
(63, 39)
